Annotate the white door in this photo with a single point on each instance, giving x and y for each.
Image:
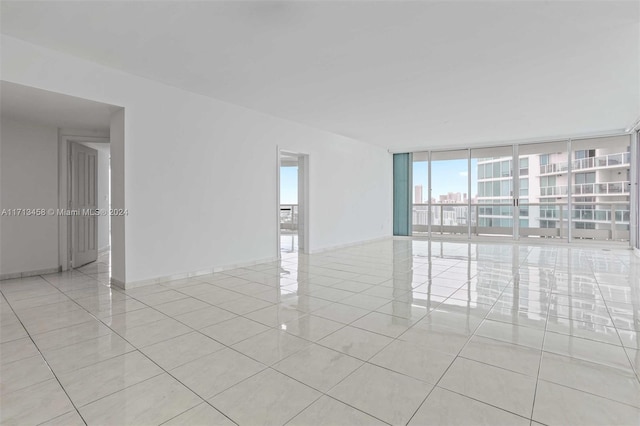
(84, 199)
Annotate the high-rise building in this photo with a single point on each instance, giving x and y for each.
(453, 198)
(598, 184)
(418, 194)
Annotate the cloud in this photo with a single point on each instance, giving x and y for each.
(465, 174)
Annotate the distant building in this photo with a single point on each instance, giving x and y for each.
(418, 194)
(453, 198)
(599, 177)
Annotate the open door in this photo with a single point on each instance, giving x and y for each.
(84, 203)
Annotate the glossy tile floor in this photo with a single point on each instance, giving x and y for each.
(396, 332)
(288, 242)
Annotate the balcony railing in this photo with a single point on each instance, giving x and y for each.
(598, 188)
(602, 188)
(602, 215)
(552, 168)
(610, 221)
(601, 161)
(289, 217)
(609, 160)
(550, 191)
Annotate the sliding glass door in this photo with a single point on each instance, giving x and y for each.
(493, 191)
(543, 200)
(449, 193)
(563, 190)
(463, 193)
(420, 209)
(601, 170)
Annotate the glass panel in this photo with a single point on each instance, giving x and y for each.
(600, 183)
(420, 213)
(524, 183)
(449, 192)
(488, 170)
(543, 190)
(524, 167)
(505, 187)
(401, 194)
(491, 193)
(506, 168)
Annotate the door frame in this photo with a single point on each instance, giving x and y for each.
(64, 190)
(303, 200)
(634, 190)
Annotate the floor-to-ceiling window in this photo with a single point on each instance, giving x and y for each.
(449, 192)
(492, 190)
(601, 169)
(543, 190)
(566, 189)
(420, 210)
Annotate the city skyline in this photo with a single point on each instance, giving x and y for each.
(597, 182)
(448, 176)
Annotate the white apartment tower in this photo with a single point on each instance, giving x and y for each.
(594, 187)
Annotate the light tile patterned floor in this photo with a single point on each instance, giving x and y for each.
(395, 332)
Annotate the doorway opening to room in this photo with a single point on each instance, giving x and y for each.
(292, 204)
(67, 160)
(88, 194)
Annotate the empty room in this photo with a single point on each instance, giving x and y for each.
(324, 212)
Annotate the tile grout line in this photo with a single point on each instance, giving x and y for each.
(616, 327)
(147, 357)
(170, 316)
(473, 333)
(193, 330)
(47, 363)
(457, 355)
(544, 336)
(443, 374)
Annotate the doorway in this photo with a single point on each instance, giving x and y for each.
(87, 195)
(60, 120)
(292, 203)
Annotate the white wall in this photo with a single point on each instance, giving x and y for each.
(28, 179)
(200, 174)
(118, 242)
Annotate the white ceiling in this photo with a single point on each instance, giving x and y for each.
(53, 109)
(400, 74)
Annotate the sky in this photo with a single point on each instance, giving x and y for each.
(447, 175)
(288, 185)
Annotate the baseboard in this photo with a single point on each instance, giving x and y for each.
(158, 280)
(353, 244)
(163, 279)
(117, 283)
(14, 275)
(636, 251)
